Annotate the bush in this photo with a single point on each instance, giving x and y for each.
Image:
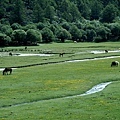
(40, 25)
(4, 39)
(75, 33)
(33, 36)
(115, 30)
(6, 29)
(19, 37)
(47, 35)
(16, 26)
(104, 32)
(30, 26)
(98, 39)
(63, 34)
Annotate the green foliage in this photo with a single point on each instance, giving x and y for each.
(47, 35)
(65, 25)
(87, 15)
(6, 29)
(18, 13)
(49, 13)
(40, 25)
(115, 30)
(4, 39)
(29, 26)
(90, 35)
(98, 39)
(16, 26)
(75, 33)
(109, 13)
(63, 34)
(103, 32)
(38, 12)
(26, 11)
(84, 8)
(33, 36)
(96, 8)
(18, 37)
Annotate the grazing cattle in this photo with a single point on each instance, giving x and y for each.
(6, 70)
(61, 54)
(106, 51)
(115, 63)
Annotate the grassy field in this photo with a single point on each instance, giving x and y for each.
(38, 92)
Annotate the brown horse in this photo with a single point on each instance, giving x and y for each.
(61, 54)
(6, 70)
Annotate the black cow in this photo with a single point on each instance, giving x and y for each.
(115, 63)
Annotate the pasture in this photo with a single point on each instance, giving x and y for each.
(38, 92)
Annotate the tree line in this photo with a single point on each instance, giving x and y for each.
(28, 22)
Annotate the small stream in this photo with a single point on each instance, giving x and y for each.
(109, 57)
(93, 90)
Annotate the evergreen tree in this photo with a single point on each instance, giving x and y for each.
(75, 33)
(64, 9)
(18, 13)
(96, 8)
(38, 13)
(84, 8)
(110, 12)
(49, 13)
(2, 8)
(74, 13)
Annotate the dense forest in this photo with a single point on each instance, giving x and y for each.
(28, 22)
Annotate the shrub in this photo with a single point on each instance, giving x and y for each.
(33, 36)
(98, 39)
(4, 39)
(6, 29)
(75, 33)
(47, 35)
(16, 26)
(19, 37)
(63, 34)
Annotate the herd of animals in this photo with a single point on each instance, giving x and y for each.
(8, 70)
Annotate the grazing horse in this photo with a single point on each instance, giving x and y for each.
(25, 48)
(106, 51)
(10, 54)
(61, 54)
(6, 70)
(115, 63)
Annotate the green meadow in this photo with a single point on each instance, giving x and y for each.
(39, 92)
